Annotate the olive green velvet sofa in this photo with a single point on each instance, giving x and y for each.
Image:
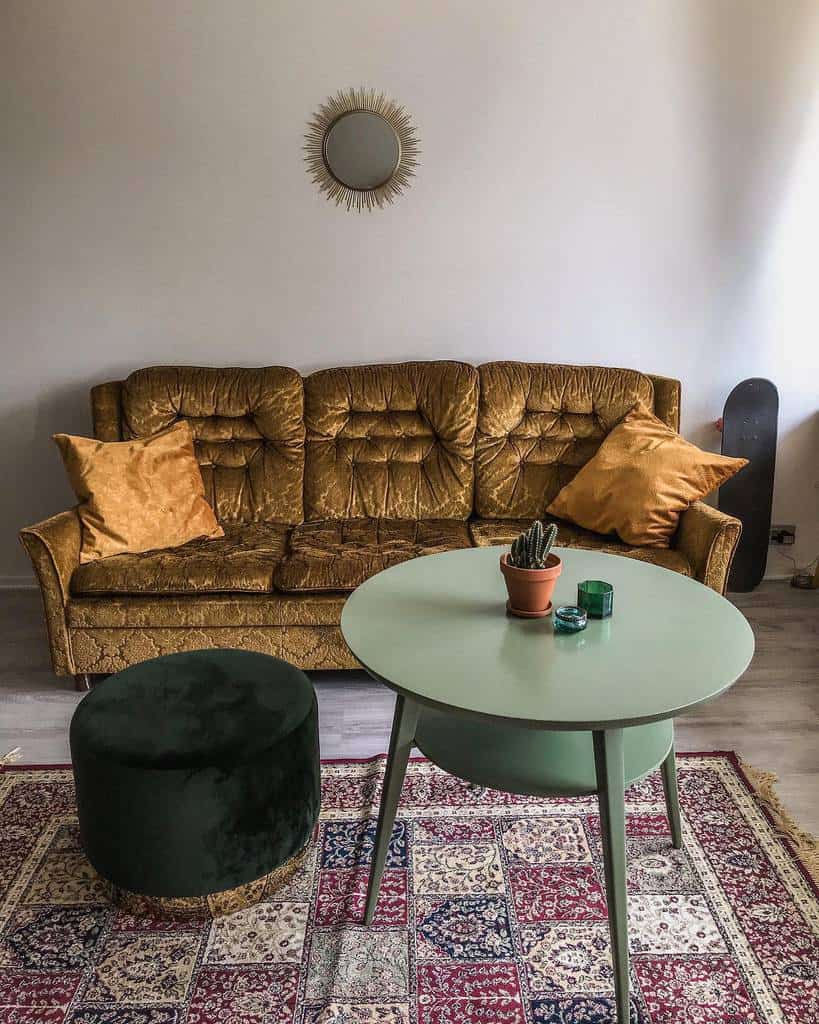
(320, 481)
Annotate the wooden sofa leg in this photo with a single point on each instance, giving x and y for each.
(83, 681)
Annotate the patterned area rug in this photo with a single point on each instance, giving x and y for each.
(492, 910)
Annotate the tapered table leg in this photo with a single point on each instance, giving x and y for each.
(402, 736)
(672, 798)
(608, 763)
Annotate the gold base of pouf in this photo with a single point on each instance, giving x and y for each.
(215, 904)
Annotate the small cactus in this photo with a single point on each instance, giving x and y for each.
(531, 549)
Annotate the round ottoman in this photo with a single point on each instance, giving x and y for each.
(198, 780)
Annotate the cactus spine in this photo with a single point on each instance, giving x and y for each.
(531, 549)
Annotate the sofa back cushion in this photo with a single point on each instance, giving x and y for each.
(538, 423)
(394, 441)
(248, 428)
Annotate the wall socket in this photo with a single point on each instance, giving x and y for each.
(783, 534)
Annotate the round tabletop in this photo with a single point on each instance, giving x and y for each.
(435, 629)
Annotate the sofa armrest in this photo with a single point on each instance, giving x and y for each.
(708, 538)
(54, 549)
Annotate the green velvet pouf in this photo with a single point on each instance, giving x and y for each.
(196, 773)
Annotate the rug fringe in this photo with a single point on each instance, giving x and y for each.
(12, 756)
(804, 844)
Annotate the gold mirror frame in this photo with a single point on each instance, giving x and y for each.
(349, 102)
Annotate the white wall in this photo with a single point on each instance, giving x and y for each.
(626, 183)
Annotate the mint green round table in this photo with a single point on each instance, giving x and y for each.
(507, 703)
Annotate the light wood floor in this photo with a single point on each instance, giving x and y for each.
(771, 717)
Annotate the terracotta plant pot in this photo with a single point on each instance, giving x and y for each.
(530, 590)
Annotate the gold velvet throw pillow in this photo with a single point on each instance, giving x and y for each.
(642, 477)
(137, 495)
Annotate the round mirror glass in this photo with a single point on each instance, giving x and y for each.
(361, 150)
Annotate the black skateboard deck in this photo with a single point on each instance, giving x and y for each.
(749, 425)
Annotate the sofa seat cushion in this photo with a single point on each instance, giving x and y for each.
(203, 611)
(486, 532)
(241, 561)
(342, 554)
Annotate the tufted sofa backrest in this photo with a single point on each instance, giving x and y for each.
(394, 441)
(248, 428)
(538, 423)
(422, 440)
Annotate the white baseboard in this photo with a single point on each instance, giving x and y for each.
(18, 583)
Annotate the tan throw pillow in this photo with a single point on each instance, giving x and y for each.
(642, 477)
(137, 495)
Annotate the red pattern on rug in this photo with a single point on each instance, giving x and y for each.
(492, 909)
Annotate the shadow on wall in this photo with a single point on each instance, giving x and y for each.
(758, 95)
(30, 465)
(704, 434)
(797, 486)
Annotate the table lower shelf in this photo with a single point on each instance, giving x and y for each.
(532, 761)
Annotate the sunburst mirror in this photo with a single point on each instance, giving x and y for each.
(361, 149)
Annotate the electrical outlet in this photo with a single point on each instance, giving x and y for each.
(783, 534)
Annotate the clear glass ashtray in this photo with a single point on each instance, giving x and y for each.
(569, 619)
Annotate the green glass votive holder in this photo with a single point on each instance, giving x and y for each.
(596, 598)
